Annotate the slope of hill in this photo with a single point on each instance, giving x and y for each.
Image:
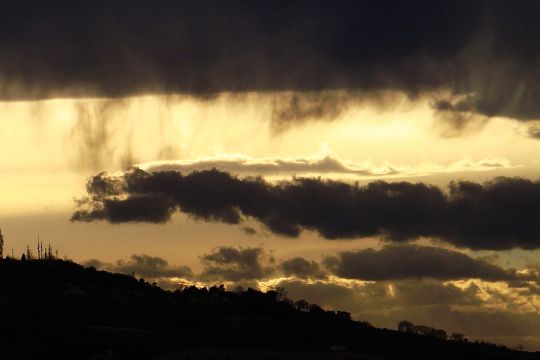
(59, 309)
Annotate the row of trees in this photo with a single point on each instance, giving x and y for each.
(304, 306)
(270, 299)
(410, 328)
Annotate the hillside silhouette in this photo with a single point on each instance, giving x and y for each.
(59, 309)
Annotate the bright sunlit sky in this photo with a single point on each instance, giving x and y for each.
(355, 96)
(51, 148)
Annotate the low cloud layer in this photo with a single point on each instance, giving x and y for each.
(499, 214)
(379, 297)
(482, 52)
(302, 268)
(403, 262)
(426, 285)
(406, 263)
(391, 263)
(145, 266)
(231, 264)
(475, 309)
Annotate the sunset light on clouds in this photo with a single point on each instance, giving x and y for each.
(360, 158)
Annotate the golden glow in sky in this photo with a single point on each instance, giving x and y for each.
(51, 147)
(62, 141)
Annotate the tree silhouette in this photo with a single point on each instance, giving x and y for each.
(29, 255)
(190, 317)
(457, 337)
(301, 305)
(315, 309)
(407, 327)
(1, 245)
(410, 328)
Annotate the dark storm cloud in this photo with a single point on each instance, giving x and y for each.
(145, 208)
(231, 264)
(429, 292)
(402, 262)
(483, 52)
(293, 108)
(499, 214)
(146, 266)
(151, 266)
(302, 268)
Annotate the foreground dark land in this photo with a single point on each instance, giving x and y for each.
(59, 309)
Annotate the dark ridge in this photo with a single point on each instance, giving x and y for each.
(59, 309)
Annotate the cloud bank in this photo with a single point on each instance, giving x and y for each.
(422, 284)
(230, 264)
(145, 266)
(483, 53)
(403, 262)
(391, 263)
(498, 214)
(302, 268)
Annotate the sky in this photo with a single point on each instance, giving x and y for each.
(372, 157)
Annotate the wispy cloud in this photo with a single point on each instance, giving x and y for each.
(327, 165)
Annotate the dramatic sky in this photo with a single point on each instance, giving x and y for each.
(370, 156)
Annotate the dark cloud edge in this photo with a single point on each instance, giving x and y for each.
(390, 263)
(499, 214)
(482, 52)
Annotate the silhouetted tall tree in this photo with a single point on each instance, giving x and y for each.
(1, 245)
